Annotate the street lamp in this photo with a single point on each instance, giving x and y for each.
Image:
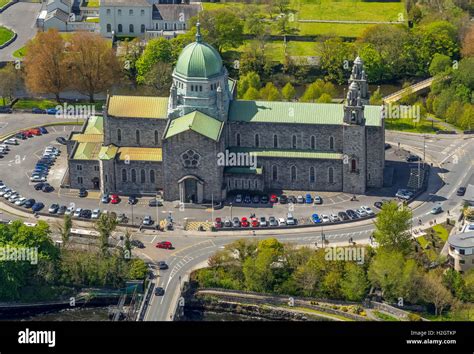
(323, 238)
(230, 211)
(157, 213)
(133, 220)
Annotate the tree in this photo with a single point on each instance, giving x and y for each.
(65, 230)
(251, 94)
(284, 25)
(433, 291)
(10, 79)
(334, 55)
(45, 65)
(127, 246)
(454, 281)
(157, 50)
(466, 121)
(251, 79)
(354, 285)
(105, 225)
(93, 62)
(439, 64)
(469, 285)
(254, 59)
(133, 51)
(376, 98)
(159, 77)
(269, 92)
(138, 269)
(392, 228)
(310, 275)
(288, 92)
(324, 98)
(468, 42)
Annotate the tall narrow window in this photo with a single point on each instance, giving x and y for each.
(120, 28)
(137, 136)
(275, 141)
(256, 184)
(293, 173)
(131, 29)
(331, 143)
(142, 28)
(237, 139)
(312, 176)
(156, 137)
(124, 175)
(152, 176)
(119, 135)
(274, 173)
(134, 175)
(109, 28)
(293, 141)
(142, 176)
(257, 140)
(313, 142)
(353, 165)
(331, 175)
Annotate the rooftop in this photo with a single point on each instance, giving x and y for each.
(197, 121)
(173, 12)
(87, 151)
(140, 154)
(296, 112)
(462, 240)
(137, 107)
(125, 3)
(291, 153)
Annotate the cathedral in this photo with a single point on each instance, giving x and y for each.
(201, 142)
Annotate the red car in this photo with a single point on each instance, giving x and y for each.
(164, 244)
(254, 222)
(244, 222)
(114, 199)
(218, 223)
(273, 198)
(35, 131)
(27, 133)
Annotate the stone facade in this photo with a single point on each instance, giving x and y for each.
(121, 131)
(84, 174)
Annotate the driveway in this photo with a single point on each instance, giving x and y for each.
(21, 17)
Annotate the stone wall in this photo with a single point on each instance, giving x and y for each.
(354, 180)
(87, 169)
(375, 156)
(138, 187)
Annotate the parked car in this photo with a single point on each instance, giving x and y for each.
(95, 214)
(29, 203)
(35, 131)
(137, 244)
(361, 212)
(164, 244)
(461, 191)
(436, 210)
(82, 192)
(292, 199)
(281, 222)
(51, 111)
(334, 218)
(244, 222)
(315, 219)
(218, 223)
(61, 140)
(147, 220)
(13, 198)
(77, 212)
(69, 210)
(47, 188)
(235, 222)
(155, 203)
(378, 205)
(263, 221)
(238, 199)
(20, 201)
(325, 218)
(404, 194)
(273, 198)
(5, 191)
(37, 178)
(290, 220)
(264, 199)
(11, 141)
(272, 221)
(368, 210)
(38, 111)
(37, 207)
(43, 130)
(308, 198)
(412, 158)
(122, 219)
(62, 209)
(283, 199)
(5, 109)
(53, 209)
(227, 223)
(255, 199)
(159, 291)
(343, 216)
(247, 199)
(21, 136)
(387, 146)
(132, 200)
(114, 199)
(318, 199)
(300, 199)
(105, 198)
(86, 214)
(254, 222)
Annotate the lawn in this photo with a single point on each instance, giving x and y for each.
(441, 232)
(422, 241)
(410, 125)
(91, 3)
(5, 35)
(385, 317)
(3, 3)
(20, 53)
(30, 103)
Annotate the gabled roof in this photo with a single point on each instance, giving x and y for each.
(87, 151)
(196, 121)
(296, 112)
(137, 107)
(108, 152)
(173, 12)
(59, 14)
(95, 125)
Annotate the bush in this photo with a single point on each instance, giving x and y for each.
(414, 317)
(363, 313)
(344, 309)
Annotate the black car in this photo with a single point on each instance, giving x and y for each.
(85, 214)
(461, 191)
(378, 205)
(154, 203)
(4, 109)
(132, 200)
(61, 210)
(343, 216)
(39, 186)
(292, 199)
(29, 203)
(61, 140)
(247, 199)
(412, 158)
(264, 199)
(159, 291)
(137, 244)
(162, 265)
(38, 111)
(82, 192)
(283, 199)
(387, 146)
(352, 214)
(47, 188)
(20, 136)
(37, 207)
(255, 199)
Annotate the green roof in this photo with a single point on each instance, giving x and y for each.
(243, 170)
(199, 60)
(197, 121)
(95, 125)
(108, 152)
(290, 153)
(296, 112)
(87, 151)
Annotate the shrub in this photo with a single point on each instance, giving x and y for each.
(414, 317)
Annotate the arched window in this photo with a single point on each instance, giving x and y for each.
(274, 173)
(331, 143)
(142, 176)
(131, 29)
(137, 136)
(142, 29)
(275, 141)
(331, 175)
(257, 140)
(353, 165)
(134, 175)
(312, 176)
(313, 142)
(130, 12)
(152, 176)
(119, 135)
(156, 137)
(293, 173)
(293, 141)
(237, 139)
(124, 175)
(109, 28)
(119, 12)
(120, 28)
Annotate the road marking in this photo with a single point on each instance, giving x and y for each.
(154, 239)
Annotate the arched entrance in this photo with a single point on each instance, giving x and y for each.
(191, 189)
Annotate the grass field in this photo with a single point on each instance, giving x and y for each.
(3, 3)
(441, 232)
(342, 10)
(5, 35)
(20, 53)
(410, 125)
(385, 317)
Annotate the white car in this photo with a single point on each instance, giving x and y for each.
(20, 201)
(11, 141)
(5, 191)
(334, 218)
(3, 151)
(9, 194)
(238, 198)
(13, 197)
(317, 200)
(281, 221)
(69, 211)
(361, 212)
(77, 212)
(325, 218)
(147, 220)
(368, 210)
(300, 199)
(95, 214)
(290, 220)
(51, 152)
(5, 147)
(38, 178)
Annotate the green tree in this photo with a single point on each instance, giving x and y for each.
(251, 94)
(251, 79)
(65, 229)
(392, 228)
(105, 225)
(310, 275)
(439, 64)
(157, 50)
(10, 80)
(269, 92)
(138, 269)
(159, 78)
(454, 281)
(354, 284)
(335, 56)
(324, 98)
(376, 98)
(466, 121)
(433, 291)
(385, 272)
(288, 92)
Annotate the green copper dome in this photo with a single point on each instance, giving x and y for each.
(199, 59)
